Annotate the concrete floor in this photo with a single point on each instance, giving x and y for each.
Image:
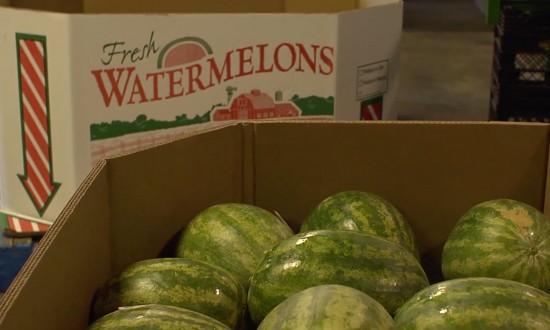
(445, 62)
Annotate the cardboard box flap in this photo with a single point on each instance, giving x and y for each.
(465, 164)
(71, 261)
(128, 209)
(153, 193)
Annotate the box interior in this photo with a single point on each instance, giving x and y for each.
(132, 207)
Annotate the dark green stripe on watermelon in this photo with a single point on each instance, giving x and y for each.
(233, 236)
(156, 317)
(180, 282)
(385, 271)
(476, 303)
(364, 212)
(500, 238)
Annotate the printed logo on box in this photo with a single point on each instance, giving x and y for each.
(189, 65)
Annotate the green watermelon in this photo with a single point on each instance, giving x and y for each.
(365, 212)
(156, 317)
(179, 282)
(384, 270)
(328, 307)
(233, 236)
(476, 303)
(500, 238)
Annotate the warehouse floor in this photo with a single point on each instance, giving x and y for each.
(445, 61)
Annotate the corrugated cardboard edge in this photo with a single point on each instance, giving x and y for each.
(21, 279)
(182, 136)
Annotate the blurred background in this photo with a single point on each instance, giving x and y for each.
(447, 51)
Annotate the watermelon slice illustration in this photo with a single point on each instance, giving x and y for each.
(183, 51)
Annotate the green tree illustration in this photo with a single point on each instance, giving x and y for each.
(230, 90)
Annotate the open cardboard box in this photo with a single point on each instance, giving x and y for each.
(131, 207)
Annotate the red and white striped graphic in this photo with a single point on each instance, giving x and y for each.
(33, 83)
(372, 111)
(21, 226)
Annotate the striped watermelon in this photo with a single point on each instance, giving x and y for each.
(476, 303)
(328, 307)
(156, 317)
(501, 238)
(179, 282)
(365, 212)
(385, 271)
(234, 236)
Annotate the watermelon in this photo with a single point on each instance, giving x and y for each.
(365, 212)
(179, 282)
(384, 270)
(156, 317)
(233, 236)
(501, 238)
(476, 303)
(328, 307)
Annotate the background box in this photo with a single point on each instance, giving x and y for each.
(78, 87)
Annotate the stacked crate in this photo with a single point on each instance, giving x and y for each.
(520, 88)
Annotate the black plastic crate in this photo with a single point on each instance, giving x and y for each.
(524, 71)
(520, 89)
(514, 99)
(517, 107)
(515, 43)
(534, 115)
(524, 18)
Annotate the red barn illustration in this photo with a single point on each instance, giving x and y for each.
(255, 105)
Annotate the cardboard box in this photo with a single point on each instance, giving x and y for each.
(319, 6)
(131, 207)
(78, 87)
(254, 6)
(192, 6)
(185, 6)
(62, 6)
